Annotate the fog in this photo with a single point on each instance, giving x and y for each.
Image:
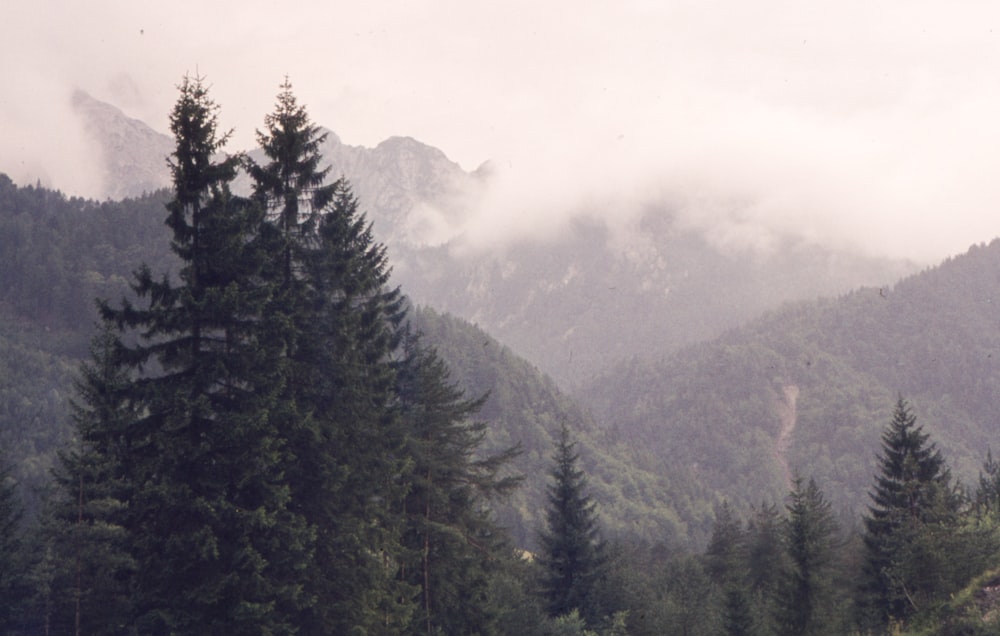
(844, 124)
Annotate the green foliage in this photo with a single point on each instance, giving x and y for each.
(523, 407)
(334, 325)
(572, 552)
(726, 551)
(83, 527)
(188, 442)
(708, 418)
(972, 611)
(448, 523)
(911, 556)
(255, 450)
(805, 605)
(12, 590)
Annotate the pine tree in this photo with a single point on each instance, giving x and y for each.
(571, 550)
(216, 547)
(83, 526)
(11, 563)
(987, 499)
(456, 543)
(809, 535)
(725, 553)
(726, 564)
(291, 186)
(336, 326)
(912, 499)
(767, 563)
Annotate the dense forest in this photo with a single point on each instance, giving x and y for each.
(254, 432)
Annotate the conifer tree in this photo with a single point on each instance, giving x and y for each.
(337, 324)
(912, 498)
(726, 564)
(765, 552)
(449, 529)
(11, 565)
(571, 550)
(809, 533)
(725, 553)
(216, 547)
(93, 565)
(987, 498)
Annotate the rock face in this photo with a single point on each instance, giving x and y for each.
(134, 156)
(411, 191)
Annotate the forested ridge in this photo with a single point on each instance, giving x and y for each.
(716, 409)
(254, 432)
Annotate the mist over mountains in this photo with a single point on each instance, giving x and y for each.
(573, 297)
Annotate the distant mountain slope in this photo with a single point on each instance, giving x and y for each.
(809, 388)
(133, 155)
(572, 304)
(577, 304)
(526, 408)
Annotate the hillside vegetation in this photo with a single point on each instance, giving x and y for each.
(713, 412)
(257, 439)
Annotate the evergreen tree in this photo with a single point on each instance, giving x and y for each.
(571, 551)
(725, 553)
(737, 616)
(987, 499)
(290, 185)
(215, 545)
(336, 326)
(912, 500)
(12, 580)
(766, 563)
(726, 564)
(809, 535)
(448, 523)
(83, 528)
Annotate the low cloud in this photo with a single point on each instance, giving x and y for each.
(854, 126)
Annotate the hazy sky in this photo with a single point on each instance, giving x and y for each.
(869, 124)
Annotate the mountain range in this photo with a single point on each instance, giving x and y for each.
(574, 304)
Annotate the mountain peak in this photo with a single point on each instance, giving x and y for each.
(133, 154)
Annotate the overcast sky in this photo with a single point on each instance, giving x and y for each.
(875, 125)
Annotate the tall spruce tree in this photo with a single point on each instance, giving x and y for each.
(726, 564)
(216, 547)
(455, 543)
(912, 501)
(809, 535)
(725, 554)
(83, 528)
(337, 324)
(571, 550)
(767, 563)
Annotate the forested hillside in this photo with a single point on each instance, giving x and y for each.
(806, 389)
(252, 414)
(57, 255)
(525, 408)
